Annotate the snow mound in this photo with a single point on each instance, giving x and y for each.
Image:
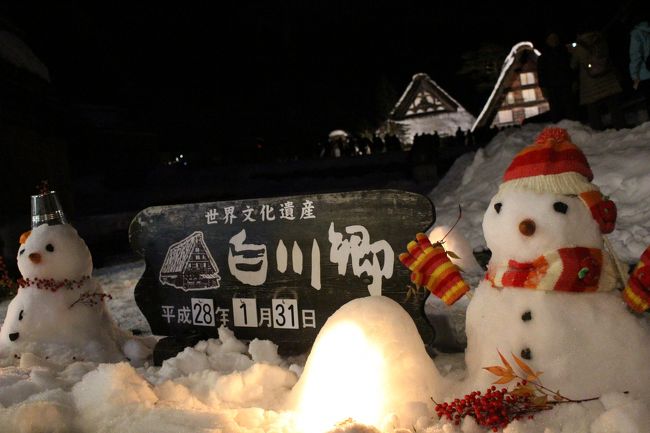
(367, 363)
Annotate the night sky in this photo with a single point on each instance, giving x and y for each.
(136, 84)
(286, 71)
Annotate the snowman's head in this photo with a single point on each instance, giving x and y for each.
(546, 202)
(523, 225)
(55, 252)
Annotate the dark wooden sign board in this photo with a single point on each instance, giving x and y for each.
(273, 268)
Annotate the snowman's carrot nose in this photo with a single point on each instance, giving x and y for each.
(35, 258)
(527, 227)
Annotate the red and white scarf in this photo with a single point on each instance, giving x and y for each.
(573, 269)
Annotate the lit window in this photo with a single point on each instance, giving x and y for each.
(510, 98)
(505, 116)
(531, 111)
(527, 78)
(529, 95)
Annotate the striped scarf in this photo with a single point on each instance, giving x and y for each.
(574, 269)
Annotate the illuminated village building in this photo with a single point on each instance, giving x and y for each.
(516, 95)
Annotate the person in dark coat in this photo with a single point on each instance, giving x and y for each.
(460, 137)
(639, 52)
(378, 145)
(597, 91)
(422, 159)
(392, 143)
(435, 142)
(556, 78)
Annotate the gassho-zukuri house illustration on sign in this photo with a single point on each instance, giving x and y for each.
(189, 265)
(425, 108)
(516, 95)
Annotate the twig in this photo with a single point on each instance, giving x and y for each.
(460, 214)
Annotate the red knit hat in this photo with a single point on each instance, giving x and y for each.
(553, 164)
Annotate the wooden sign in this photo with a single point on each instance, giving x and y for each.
(273, 268)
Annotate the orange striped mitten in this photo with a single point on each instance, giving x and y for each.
(432, 268)
(637, 289)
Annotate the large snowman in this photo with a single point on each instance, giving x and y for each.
(59, 312)
(550, 295)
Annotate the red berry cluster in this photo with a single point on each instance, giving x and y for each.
(52, 284)
(495, 409)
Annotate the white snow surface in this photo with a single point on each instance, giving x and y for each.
(382, 374)
(445, 124)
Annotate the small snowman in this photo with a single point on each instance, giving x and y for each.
(551, 293)
(59, 312)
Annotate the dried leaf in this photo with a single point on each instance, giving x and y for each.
(524, 390)
(505, 361)
(452, 254)
(526, 369)
(540, 401)
(505, 379)
(534, 377)
(497, 370)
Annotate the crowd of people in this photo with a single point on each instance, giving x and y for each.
(342, 145)
(582, 75)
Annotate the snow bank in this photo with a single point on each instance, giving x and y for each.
(368, 363)
(225, 385)
(230, 386)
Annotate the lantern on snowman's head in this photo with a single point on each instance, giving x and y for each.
(46, 209)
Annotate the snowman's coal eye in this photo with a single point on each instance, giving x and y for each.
(22, 251)
(49, 247)
(560, 207)
(20, 316)
(497, 207)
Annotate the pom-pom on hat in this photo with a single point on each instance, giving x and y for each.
(553, 164)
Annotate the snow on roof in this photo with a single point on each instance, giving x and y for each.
(444, 122)
(510, 58)
(416, 78)
(338, 133)
(15, 51)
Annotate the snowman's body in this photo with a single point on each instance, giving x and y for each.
(586, 343)
(60, 313)
(45, 323)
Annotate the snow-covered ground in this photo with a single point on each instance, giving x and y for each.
(230, 386)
